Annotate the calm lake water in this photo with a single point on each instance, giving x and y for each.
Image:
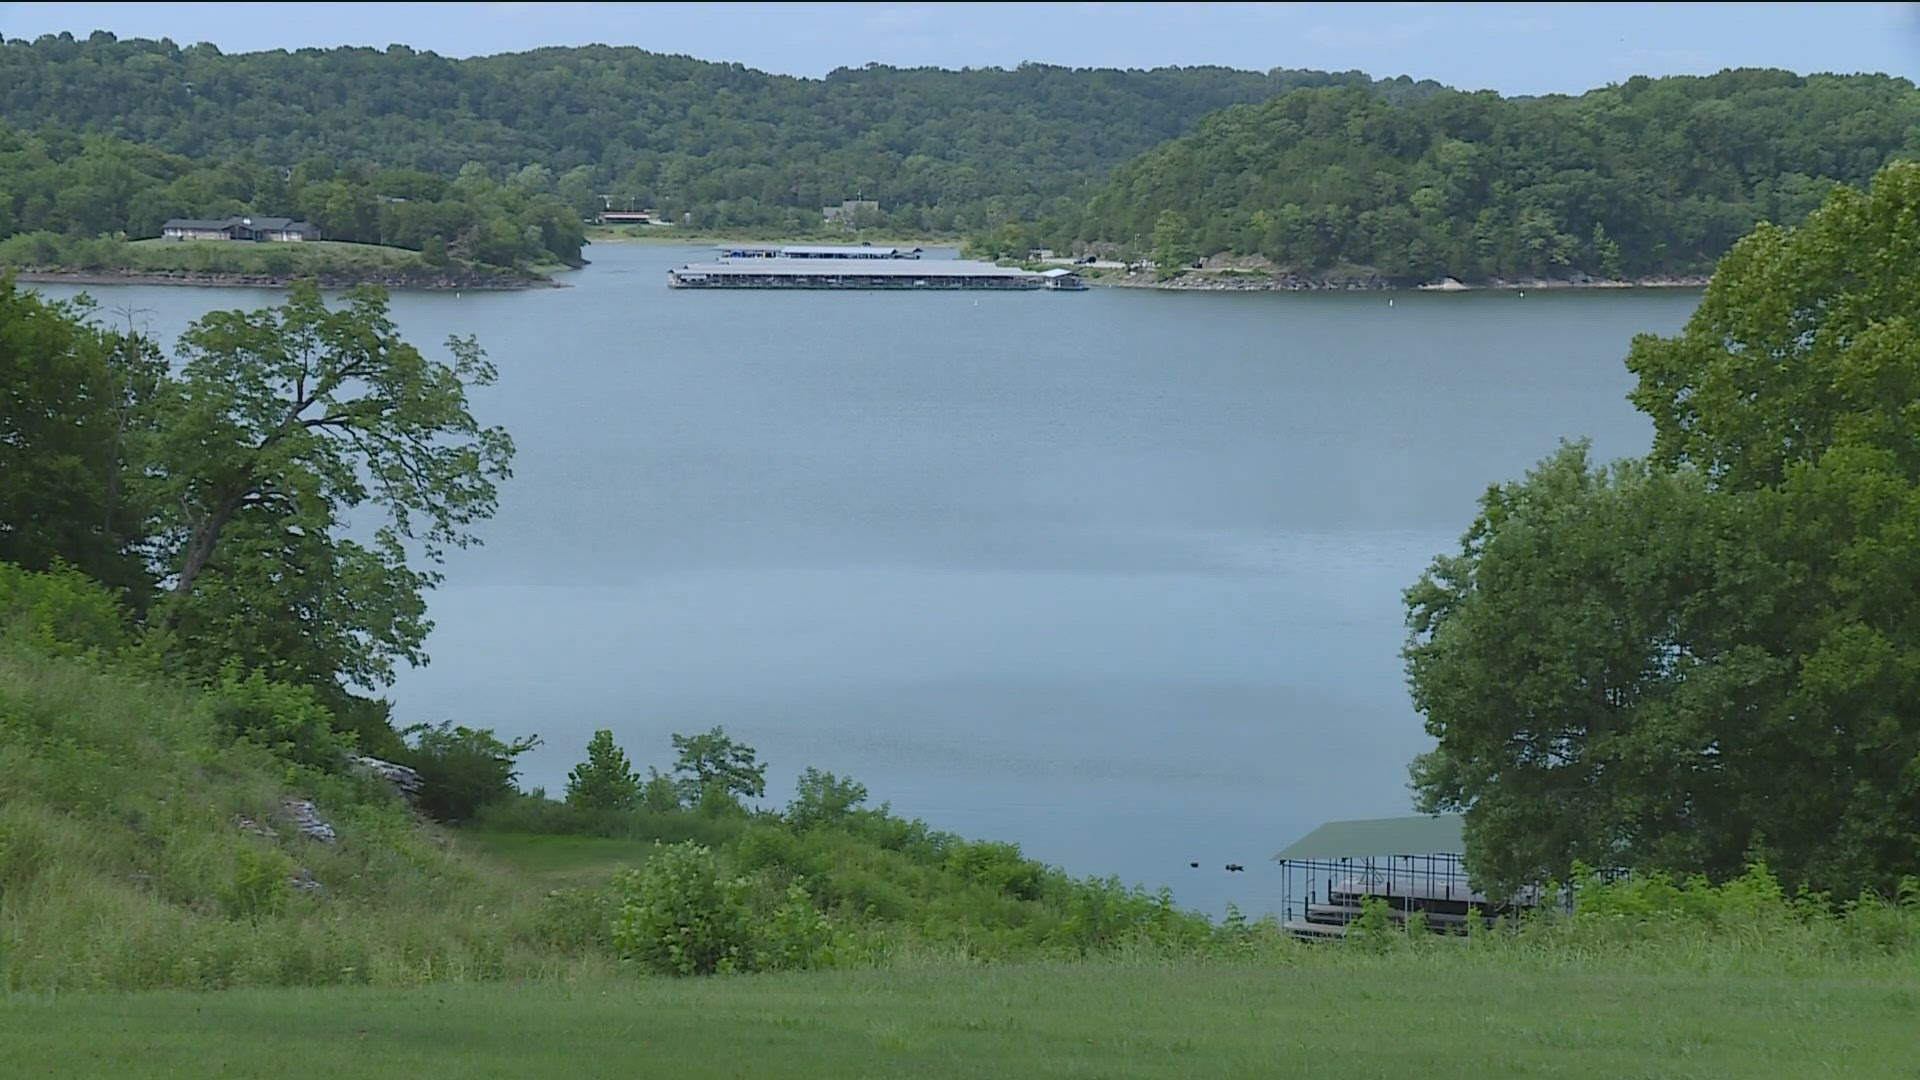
(1114, 574)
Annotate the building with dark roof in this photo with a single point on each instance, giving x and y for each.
(239, 227)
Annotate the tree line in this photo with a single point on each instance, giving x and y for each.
(59, 186)
(711, 144)
(1648, 177)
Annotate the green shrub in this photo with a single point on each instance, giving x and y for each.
(685, 913)
(998, 866)
(287, 720)
(60, 612)
(462, 769)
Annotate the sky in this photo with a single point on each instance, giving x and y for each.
(1512, 48)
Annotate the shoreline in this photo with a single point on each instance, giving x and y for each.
(1370, 283)
(891, 241)
(220, 279)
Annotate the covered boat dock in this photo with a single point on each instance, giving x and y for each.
(831, 273)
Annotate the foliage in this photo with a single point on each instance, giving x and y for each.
(74, 403)
(712, 145)
(1648, 177)
(1710, 658)
(605, 781)
(69, 200)
(686, 913)
(462, 769)
(282, 421)
(60, 611)
(821, 799)
(712, 762)
(288, 720)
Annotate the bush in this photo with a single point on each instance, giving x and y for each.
(287, 720)
(462, 769)
(997, 866)
(60, 612)
(685, 914)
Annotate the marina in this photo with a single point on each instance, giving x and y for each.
(826, 272)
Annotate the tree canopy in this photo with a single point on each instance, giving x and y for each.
(280, 423)
(721, 144)
(1651, 176)
(1711, 656)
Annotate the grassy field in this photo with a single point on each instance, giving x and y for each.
(228, 257)
(1430, 1017)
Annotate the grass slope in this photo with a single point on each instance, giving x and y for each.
(1434, 1017)
(140, 847)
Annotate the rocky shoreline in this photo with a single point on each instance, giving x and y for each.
(1285, 282)
(430, 283)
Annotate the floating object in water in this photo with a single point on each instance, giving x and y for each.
(1234, 867)
(1195, 865)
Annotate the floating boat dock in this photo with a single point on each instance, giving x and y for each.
(863, 272)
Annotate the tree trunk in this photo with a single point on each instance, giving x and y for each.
(205, 539)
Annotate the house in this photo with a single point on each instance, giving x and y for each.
(239, 228)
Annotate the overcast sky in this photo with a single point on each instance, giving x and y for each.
(1513, 48)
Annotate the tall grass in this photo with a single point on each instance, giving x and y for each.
(139, 847)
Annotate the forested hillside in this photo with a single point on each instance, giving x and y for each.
(727, 145)
(71, 188)
(1653, 176)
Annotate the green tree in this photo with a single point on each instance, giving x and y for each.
(821, 798)
(714, 762)
(606, 780)
(1173, 248)
(74, 410)
(1711, 657)
(281, 422)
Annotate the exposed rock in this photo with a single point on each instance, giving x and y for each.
(306, 818)
(302, 880)
(247, 824)
(405, 781)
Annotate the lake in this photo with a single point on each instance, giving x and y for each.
(1115, 574)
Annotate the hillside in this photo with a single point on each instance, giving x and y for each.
(940, 150)
(1650, 177)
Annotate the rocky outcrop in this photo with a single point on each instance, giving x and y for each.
(305, 818)
(405, 781)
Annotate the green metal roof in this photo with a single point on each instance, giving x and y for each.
(1375, 837)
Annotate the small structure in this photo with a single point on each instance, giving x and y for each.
(1058, 278)
(239, 227)
(842, 273)
(1412, 863)
(626, 217)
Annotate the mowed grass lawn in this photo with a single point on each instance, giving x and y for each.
(1419, 1017)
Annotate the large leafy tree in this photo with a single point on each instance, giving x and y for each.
(1714, 655)
(281, 426)
(74, 400)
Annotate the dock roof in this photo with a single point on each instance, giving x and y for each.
(1374, 838)
(919, 268)
(866, 250)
